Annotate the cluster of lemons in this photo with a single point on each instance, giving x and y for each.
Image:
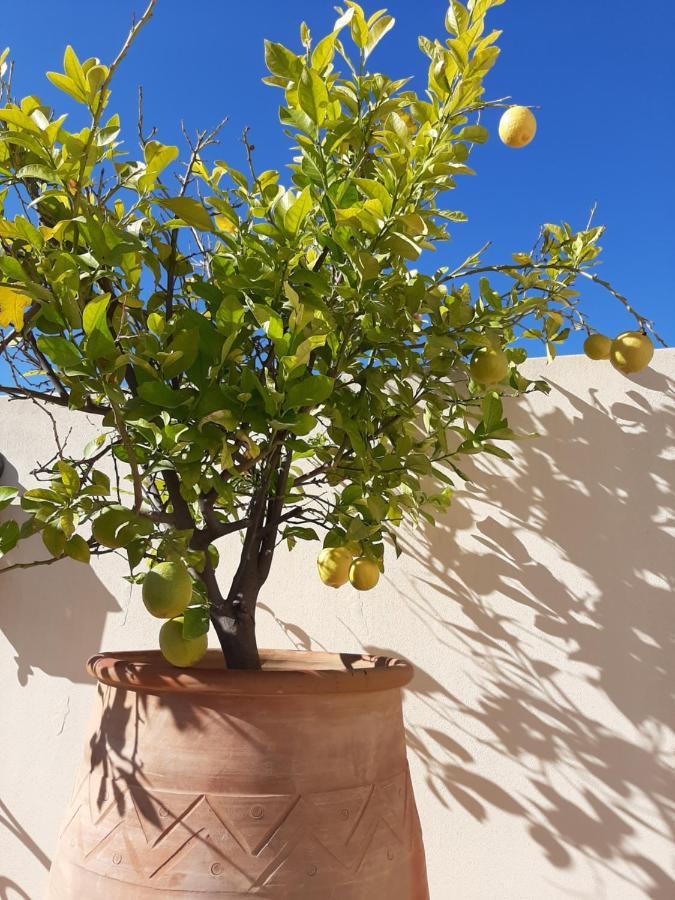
(630, 352)
(167, 593)
(337, 566)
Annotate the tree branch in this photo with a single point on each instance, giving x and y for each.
(19, 393)
(96, 118)
(274, 508)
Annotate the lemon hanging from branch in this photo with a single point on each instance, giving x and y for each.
(517, 127)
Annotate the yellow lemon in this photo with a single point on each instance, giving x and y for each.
(597, 346)
(364, 574)
(167, 590)
(488, 366)
(517, 127)
(180, 651)
(333, 564)
(631, 352)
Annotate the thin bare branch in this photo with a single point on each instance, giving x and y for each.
(19, 393)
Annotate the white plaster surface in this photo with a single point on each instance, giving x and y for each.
(539, 615)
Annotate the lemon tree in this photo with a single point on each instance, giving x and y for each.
(278, 355)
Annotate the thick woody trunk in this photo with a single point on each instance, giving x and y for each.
(238, 641)
(233, 616)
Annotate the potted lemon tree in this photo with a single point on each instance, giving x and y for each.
(270, 359)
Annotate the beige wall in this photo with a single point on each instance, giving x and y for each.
(540, 619)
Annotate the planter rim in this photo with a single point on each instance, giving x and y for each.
(283, 672)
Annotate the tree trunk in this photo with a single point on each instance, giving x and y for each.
(237, 640)
(233, 616)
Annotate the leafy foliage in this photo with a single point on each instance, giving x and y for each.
(265, 356)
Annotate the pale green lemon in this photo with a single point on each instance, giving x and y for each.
(180, 651)
(333, 564)
(364, 574)
(488, 366)
(631, 352)
(167, 590)
(517, 127)
(597, 346)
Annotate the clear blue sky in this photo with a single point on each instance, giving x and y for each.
(603, 72)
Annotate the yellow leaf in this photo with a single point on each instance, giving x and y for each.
(223, 223)
(12, 307)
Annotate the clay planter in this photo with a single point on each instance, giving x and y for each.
(290, 782)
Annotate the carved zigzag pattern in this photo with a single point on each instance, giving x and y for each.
(159, 837)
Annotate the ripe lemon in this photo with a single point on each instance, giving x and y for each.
(364, 574)
(488, 366)
(517, 127)
(167, 590)
(597, 346)
(333, 564)
(631, 352)
(180, 651)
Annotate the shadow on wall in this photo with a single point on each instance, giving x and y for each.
(52, 615)
(10, 890)
(598, 492)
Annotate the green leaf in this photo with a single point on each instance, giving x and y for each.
(186, 345)
(14, 116)
(101, 480)
(313, 96)
(68, 86)
(377, 32)
(280, 61)
(374, 190)
(324, 52)
(44, 173)
(359, 27)
(351, 493)
(117, 527)
(401, 244)
(297, 213)
(223, 417)
(54, 540)
(195, 622)
(493, 412)
(95, 323)
(456, 18)
(160, 394)
(309, 392)
(156, 323)
(69, 477)
(7, 494)
(190, 211)
(270, 321)
(158, 156)
(9, 536)
(60, 351)
(73, 69)
(78, 549)
(476, 134)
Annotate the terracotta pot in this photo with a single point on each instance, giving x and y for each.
(290, 782)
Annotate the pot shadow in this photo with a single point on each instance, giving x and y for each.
(550, 658)
(67, 601)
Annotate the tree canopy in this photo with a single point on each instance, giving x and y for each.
(271, 354)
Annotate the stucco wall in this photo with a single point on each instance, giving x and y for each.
(540, 619)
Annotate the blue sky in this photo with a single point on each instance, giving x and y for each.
(603, 73)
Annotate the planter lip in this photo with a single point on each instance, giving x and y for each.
(284, 672)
